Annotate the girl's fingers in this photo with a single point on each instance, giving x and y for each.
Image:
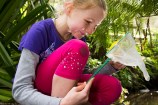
(88, 85)
(80, 83)
(80, 87)
(123, 66)
(117, 65)
(85, 86)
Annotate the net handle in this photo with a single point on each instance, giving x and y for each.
(97, 71)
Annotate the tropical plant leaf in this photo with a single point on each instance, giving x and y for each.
(8, 11)
(5, 56)
(4, 98)
(2, 4)
(6, 83)
(5, 92)
(25, 22)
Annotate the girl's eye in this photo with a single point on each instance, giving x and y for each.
(88, 22)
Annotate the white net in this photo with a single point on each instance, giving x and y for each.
(125, 52)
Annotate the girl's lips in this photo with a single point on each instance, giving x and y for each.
(82, 33)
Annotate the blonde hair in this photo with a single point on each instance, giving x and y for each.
(86, 4)
(82, 4)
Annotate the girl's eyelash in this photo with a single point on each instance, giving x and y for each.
(88, 21)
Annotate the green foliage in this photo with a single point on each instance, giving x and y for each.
(119, 20)
(131, 78)
(151, 58)
(152, 6)
(5, 95)
(16, 16)
(93, 64)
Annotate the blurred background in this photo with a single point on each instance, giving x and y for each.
(138, 17)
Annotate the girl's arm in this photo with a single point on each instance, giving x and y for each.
(111, 67)
(23, 86)
(108, 69)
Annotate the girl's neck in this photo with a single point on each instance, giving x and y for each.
(62, 28)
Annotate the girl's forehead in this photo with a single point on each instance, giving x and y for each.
(95, 14)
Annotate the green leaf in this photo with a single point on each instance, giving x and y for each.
(5, 98)
(2, 4)
(4, 74)
(8, 11)
(5, 92)
(6, 83)
(5, 56)
(24, 23)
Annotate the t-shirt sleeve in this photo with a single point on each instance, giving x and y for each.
(34, 39)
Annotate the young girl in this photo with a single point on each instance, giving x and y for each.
(54, 54)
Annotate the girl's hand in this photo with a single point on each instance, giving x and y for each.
(117, 65)
(77, 95)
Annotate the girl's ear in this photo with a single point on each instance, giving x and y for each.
(68, 7)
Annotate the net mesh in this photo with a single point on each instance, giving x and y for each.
(124, 51)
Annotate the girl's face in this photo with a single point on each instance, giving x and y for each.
(83, 22)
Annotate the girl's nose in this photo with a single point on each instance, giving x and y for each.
(90, 30)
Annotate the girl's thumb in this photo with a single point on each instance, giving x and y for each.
(88, 85)
(81, 87)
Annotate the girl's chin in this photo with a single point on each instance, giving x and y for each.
(78, 37)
